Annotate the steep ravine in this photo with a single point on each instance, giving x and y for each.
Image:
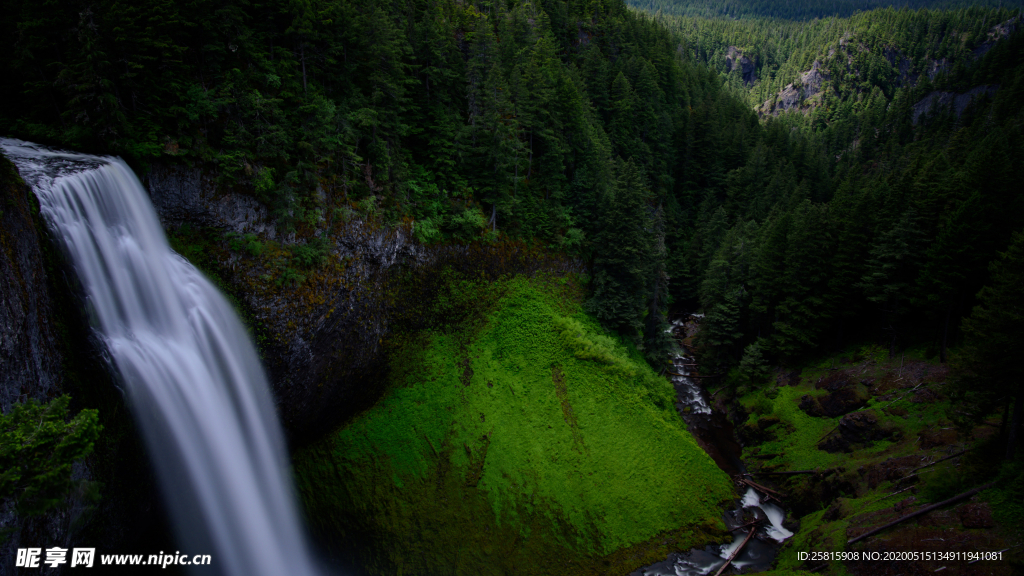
(714, 432)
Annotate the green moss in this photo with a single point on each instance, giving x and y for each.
(800, 444)
(1007, 498)
(533, 436)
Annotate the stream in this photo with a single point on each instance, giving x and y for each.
(714, 433)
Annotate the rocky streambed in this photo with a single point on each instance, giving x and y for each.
(757, 519)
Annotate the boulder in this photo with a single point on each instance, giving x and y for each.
(841, 401)
(976, 515)
(757, 432)
(856, 429)
(809, 404)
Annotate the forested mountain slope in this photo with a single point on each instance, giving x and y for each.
(797, 10)
(512, 117)
(783, 62)
(586, 126)
(898, 102)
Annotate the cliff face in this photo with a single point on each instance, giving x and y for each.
(736, 60)
(956, 103)
(320, 337)
(30, 358)
(30, 355)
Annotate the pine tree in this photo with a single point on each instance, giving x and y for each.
(987, 370)
(623, 255)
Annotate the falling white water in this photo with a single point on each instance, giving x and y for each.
(775, 515)
(191, 373)
(688, 392)
(758, 552)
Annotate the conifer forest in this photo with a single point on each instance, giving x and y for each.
(524, 287)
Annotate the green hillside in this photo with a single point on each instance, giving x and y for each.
(525, 441)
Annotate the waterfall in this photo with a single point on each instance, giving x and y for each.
(188, 367)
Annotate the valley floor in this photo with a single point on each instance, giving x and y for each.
(875, 438)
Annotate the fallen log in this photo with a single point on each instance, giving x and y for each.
(736, 551)
(960, 453)
(898, 492)
(902, 396)
(922, 512)
(764, 489)
(832, 430)
(747, 525)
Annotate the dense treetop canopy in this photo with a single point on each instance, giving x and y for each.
(800, 9)
(853, 181)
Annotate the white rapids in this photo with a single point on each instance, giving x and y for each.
(190, 371)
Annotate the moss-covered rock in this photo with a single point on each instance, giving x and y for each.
(527, 443)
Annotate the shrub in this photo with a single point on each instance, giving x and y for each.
(37, 448)
(762, 405)
(312, 254)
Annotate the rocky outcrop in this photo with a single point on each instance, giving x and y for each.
(834, 404)
(956, 103)
(321, 341)
(185, 194)
(799, 95)
(735, 60)
(844, 397)
(857, 429)
(997, 33)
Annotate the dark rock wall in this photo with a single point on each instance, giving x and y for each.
(323, 341)
(30, 355)
(736, 60)
(30, 358)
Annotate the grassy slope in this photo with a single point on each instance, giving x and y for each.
(524, 443)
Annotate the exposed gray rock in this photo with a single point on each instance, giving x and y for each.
(183, 194)
(812, 79)
(795, 95)
(30, 358)
(997, 33)
(736, 60)
(324, 358)
(950, 100)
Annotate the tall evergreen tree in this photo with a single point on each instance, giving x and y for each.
(987, 369)
(623, 255)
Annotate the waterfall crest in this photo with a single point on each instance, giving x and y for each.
(189, 369)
